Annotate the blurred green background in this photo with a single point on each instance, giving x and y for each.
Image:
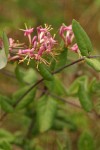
(13, 15)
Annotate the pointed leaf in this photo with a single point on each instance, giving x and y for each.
(5, 105)
(84, 98)
(86, 142)
(30, 77)
(26, 100)
(38, 147)
(53, 65)
(66, 121)
(82, 39)
(5, 135)
(24, 77)
(56, 86)
(19, 73)
(45, 72)
(73, 89)
(59, 124)
(46, 111)
(94, 63)
(62, 58)
(6, 44)
(4, 145)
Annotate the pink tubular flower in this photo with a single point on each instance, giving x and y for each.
(27, 31)
(26, 51)
(64, 28)
(43, 42)
(11, 42)
(75, 48)
(39, 45)
(49, 42)
(67, 34)
(41, 33)
(41, 50)
(34, 42)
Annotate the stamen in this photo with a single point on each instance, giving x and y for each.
(20, 61)
(44, 61)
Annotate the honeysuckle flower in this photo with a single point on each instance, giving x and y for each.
(26, 51)
(67, 34)
(41, 33)
(75, 48)
(39, 45)
(27, 31)
(34, 42)
(11, 42)
(41, 50)
(64, 28)
(49, 43)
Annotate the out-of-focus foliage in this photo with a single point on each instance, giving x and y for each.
(48, 122)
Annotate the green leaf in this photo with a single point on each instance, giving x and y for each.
(46, 111)
(38, 147)
(30, 77)
(82, 39)
(25, 75)
(5, 135)
(62, 58)
(3, 58)
(6, 44)
(84, 98)
(4, 145)
(26, 100)
(18, 93)
(45, 73)
(62, 124)
(62, 120)
(60, 146)
(94, 63)
(19, 73)
(56, 86)
(5, 105)
(94, 87)
(73, 89)
(53, 65)
(86, 142)
(59, 125)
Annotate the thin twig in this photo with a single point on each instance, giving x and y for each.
(68, 65)
(22, 96)
(74, 62)
(64, 100)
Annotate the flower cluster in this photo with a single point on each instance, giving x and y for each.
(67, 35)
(40, 44)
